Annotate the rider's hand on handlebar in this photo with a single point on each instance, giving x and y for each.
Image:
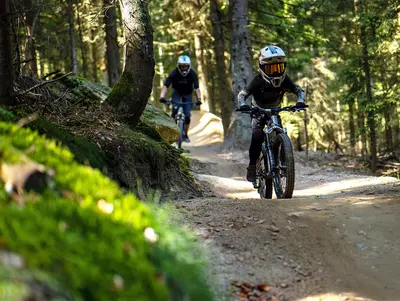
(300, 105)
(163, 100)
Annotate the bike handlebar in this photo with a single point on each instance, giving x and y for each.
(269, 110)
(179, 103)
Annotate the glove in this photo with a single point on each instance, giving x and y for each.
(198, 102)
(244, 107)
(300, 105)
(163, 100)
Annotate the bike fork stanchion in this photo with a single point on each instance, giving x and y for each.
(270, 156)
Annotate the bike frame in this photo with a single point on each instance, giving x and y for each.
(275, 126)
(180, 117)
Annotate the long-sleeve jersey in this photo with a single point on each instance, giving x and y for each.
(183, 84)
(265, 95)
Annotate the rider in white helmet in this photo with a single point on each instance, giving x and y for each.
(268, 89)
(183, 79)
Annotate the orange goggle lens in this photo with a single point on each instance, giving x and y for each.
(277, 68)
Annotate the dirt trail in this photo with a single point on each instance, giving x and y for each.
(337, 239)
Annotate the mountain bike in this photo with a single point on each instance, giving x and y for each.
(180, 119)
(275, 166)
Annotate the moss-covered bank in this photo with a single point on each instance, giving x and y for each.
(139, 159)
(95, 241)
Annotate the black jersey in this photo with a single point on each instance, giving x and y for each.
(183, 84)
(265, 94)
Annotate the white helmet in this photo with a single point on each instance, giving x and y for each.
(184, 65)
(272, 65)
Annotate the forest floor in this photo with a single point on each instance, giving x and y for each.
(337, 239)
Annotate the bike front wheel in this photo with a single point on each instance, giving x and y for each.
(284, 174)
(181, 127)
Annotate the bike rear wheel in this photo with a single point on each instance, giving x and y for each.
(265, 184)
(284, 174)
(181, 127)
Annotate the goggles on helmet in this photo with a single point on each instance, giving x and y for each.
(275, 69)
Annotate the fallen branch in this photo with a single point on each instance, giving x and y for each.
(51, 73)
(42, 84)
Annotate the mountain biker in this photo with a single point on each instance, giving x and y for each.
(183, 79)
(268, 89)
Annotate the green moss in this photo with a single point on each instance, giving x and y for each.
(148, 131)
(158, 156)
(96, 255)
(84, 151)
(121, 89)
(24, 284)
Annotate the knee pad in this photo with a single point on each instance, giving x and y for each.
(187, 120)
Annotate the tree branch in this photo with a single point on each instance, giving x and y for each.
(42, 84)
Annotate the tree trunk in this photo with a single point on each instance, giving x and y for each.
(396, 127)
(94, 55)
(239, 133)
(156, 91)
(388, 130)
(6, 67)
(202, 74)
(352, 128)
(71, 23)
(32, 11)
(362, 131)
(112, 49)
(366, 67)
(224, 94)
(83, 46)
(15, 46)
(131, 93)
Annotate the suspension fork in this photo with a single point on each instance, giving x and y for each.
(270, 154)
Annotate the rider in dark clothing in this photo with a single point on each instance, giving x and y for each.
(268, 89)
(183, 80)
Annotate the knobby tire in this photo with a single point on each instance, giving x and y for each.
(181, 131)
(284, 176)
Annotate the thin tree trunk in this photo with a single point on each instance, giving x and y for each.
(212, 88)
(32, 13)
(94, 55)
(224, 93)
(396, 127)
(112, 49)
(305, 124)
(131, 93)
(6, 67)
(202, 74)
(352, 128)
(239, 133)
(83, 46)
(362, 132)
(16, 46)
(370, 116)
(156, 90)
(71, 23)
(388, 130)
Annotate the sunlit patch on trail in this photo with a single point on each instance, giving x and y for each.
(335, 297)
(231, 188)
(347, 184)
